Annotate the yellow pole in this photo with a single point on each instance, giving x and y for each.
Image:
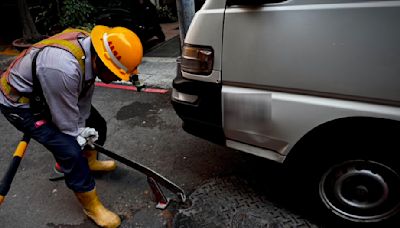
(21, 148)
(19, 152)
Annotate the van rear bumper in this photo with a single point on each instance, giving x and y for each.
(198, 104)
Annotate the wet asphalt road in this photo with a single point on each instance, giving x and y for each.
(142, 127)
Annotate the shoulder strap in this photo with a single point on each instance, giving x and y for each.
(37, 101)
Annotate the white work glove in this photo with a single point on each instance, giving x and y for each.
(87, 136)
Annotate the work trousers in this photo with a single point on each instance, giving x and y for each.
(65, 148)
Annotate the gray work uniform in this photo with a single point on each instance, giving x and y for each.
(61, 79)
(62, 82)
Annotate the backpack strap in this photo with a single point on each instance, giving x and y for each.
(38, 103)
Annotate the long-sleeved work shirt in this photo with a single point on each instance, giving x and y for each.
(62, 82)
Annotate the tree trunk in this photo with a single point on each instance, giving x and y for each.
(29, 31)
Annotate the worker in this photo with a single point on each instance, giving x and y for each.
(47, 91)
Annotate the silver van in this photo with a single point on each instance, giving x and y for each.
(312, 84)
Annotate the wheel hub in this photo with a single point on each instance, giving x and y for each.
(361, 191)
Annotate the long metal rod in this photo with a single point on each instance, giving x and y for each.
(145, 170)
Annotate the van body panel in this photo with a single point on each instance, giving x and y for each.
(324, 47)
(277, 121)
(287, 68)
(314, 84)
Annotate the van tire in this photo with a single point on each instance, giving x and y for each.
(349, 177)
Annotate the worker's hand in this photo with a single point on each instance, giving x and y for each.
(87, 136)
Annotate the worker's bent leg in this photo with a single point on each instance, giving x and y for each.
(68, 154)
(65, 148)
(97, 122)
(78, 178)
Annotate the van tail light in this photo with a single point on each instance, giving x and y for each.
(197, 59)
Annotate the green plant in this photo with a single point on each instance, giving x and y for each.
(165, 14)
(76, 13)
(53, 16)
(47, 16)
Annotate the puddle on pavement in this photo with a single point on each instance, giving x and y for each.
(142, 114)
(135, 110)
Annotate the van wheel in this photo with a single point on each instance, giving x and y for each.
(361, 191)
(353, 181)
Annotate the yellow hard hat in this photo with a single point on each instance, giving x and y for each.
(119, 48)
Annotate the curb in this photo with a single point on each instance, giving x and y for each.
(131, 88)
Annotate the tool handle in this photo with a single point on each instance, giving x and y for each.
(8, 177)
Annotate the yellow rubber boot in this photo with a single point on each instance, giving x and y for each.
(95, 210)
(96, 165)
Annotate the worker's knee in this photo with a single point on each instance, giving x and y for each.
(65, 150)
(71, 154)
